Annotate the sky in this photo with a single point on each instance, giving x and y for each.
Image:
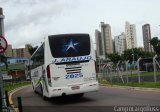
(30, 21)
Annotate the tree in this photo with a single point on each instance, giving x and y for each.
(137, 53)
(114, 57)
(31, 49)
(131, 54)
(3, 59)
(155, 42)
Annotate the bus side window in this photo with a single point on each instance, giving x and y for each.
(38, 57)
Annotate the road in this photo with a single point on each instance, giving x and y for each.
(104, 100)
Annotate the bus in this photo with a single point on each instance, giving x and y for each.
(64, 65)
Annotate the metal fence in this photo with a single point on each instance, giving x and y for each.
(142, 70)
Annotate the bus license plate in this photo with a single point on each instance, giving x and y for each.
(75, 87)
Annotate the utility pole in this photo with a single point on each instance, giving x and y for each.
(1, 23)
(1, 78)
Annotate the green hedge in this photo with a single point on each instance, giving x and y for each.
(13, 86)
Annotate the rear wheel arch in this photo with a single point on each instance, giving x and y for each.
(45, 98)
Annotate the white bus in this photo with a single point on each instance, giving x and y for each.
(64, 65)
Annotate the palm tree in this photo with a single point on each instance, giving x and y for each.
(155, 42)
(31, 49)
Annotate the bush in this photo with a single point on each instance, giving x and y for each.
(104, 81)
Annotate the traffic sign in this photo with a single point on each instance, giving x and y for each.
(3, 44)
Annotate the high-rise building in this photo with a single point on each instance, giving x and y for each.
(120, 43)
(21, 52)
(106, 35)
(1, 22)
(130, 32)
(8, 51)
(18, 52)
(26, 51)
(99, 49)
(147, 37)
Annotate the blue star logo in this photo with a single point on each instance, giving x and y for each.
(70, 45)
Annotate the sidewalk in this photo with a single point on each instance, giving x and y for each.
(10, 97)
(132, 88)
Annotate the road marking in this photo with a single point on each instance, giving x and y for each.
(10, 97)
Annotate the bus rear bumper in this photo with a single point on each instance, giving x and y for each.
(73, 89)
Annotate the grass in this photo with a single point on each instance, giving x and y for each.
(135, 84)
(143, 84)
(145, 74)
(114, 74)
(18, 66)
(13, 86)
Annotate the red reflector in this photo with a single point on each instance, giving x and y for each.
(48, 72)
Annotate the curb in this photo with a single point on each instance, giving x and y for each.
(10, 96)
(132, 88)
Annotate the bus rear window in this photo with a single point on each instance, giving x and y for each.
(69, 45)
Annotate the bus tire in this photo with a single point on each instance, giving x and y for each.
(35, 91)
(81, 94)
(44, 97)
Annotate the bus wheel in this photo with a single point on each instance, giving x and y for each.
(44, 97)
(35, 91)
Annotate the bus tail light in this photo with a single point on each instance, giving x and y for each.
(49, 75)
(48, 72)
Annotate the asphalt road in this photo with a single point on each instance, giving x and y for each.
(107, 99)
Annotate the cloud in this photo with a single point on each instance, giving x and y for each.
(29, 22)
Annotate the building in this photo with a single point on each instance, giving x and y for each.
(120, 43)
(18, 52)
(8, 51)
(12, 60)
(146, 37)
(21, 52)
(107, 45)
(130, 32)
(99, 49)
